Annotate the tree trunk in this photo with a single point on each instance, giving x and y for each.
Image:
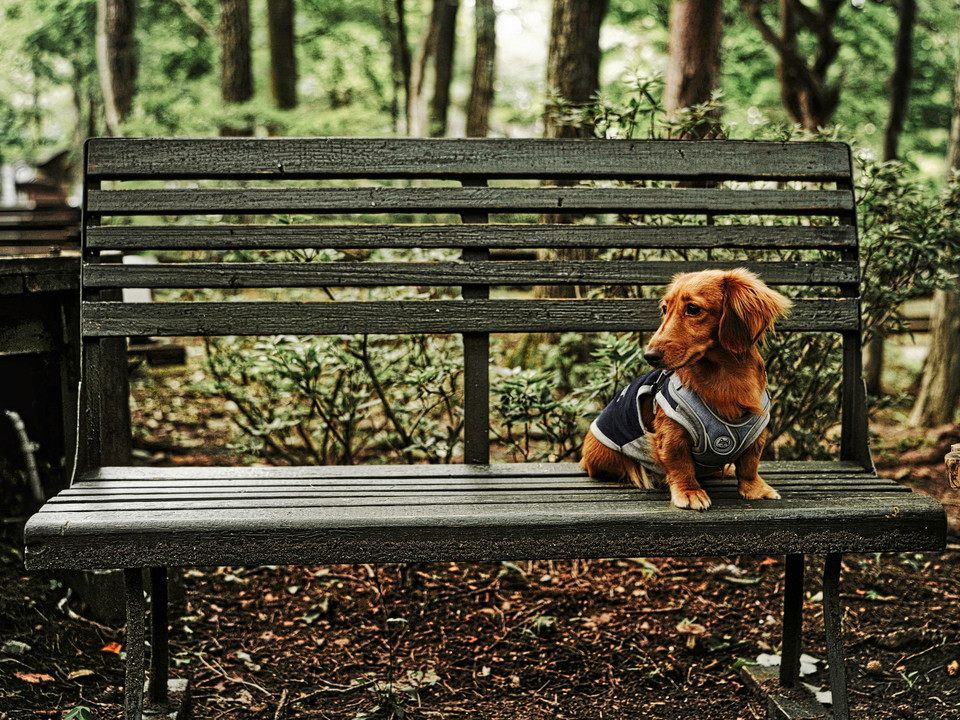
(899, 83)
(445, 37)
(573, 76)
(116, 59)
(899, 89)
(395, 29)
(236, 83)
(283, 58)
(693, 61)
(940, 386)
(484, 66)
(573, 61)
(807, 97)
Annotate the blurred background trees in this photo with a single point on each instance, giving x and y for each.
(880, 74)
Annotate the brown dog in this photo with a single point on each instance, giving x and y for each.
(706, 404)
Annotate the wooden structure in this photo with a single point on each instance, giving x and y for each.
(117, 516)
(39, 337)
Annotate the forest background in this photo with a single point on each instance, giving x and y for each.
(880, 74)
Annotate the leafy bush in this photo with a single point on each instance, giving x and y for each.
(342, 399)
(347, 399)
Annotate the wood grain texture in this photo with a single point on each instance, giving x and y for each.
(483, 272)
(605, 524)
(107, 319)
(578, 200)
(498, 236)
(243, 158)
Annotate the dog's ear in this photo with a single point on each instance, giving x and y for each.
(749, 309)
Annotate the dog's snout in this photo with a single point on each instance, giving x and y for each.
(654, 356)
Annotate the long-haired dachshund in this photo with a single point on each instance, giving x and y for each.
(705, 405)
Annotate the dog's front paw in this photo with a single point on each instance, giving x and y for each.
(690, 499)
(757, 489)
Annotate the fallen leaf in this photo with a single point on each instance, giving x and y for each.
(80, 675)
(112, 647)
(34, 678)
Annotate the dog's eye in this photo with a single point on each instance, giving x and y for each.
(693, 309)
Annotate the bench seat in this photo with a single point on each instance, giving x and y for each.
(143, 517)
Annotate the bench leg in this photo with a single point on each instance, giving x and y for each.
(133, 681)
(832, 616)
(792, 621)
(159, 653)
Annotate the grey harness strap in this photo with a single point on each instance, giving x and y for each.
(716, 442)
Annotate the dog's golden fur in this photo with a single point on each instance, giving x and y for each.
(713, 322)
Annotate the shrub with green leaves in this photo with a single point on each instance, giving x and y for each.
(348, 399)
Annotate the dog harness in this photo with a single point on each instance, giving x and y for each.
(716, 442)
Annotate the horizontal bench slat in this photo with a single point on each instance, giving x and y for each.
(695, 201)
(275, 237)
(369, 274)
(241, 158)
(9, 236)
(417, 473)
(80, 500)
(519, 483)
(480, 532)
(112, 319)
(408, 499)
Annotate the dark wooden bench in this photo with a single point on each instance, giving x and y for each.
(39, 229)
(117, 516)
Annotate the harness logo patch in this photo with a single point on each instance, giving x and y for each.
(723, 443)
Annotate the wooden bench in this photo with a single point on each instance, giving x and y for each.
(40, 229)
(117, 516)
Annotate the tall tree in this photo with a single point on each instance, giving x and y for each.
(484, 67)
(693, 60)
(236, 81)
(573, 60)
(940, 386)
(445, 37)
(807, 96)
(435, 53)
(898, 87)
(283, 57)
(395, 27)
(116, 59)
(573, 78)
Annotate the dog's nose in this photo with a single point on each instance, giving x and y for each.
(654, 357)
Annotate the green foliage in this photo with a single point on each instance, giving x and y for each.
(909, 239)
(910, 242)
(50, 94)
(342, 399)
(81, 712)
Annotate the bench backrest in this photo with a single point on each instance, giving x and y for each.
(225, 194)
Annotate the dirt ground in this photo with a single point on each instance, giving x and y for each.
(662, 639)
(600, 639)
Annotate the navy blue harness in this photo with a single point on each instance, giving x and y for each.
(716, 442)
